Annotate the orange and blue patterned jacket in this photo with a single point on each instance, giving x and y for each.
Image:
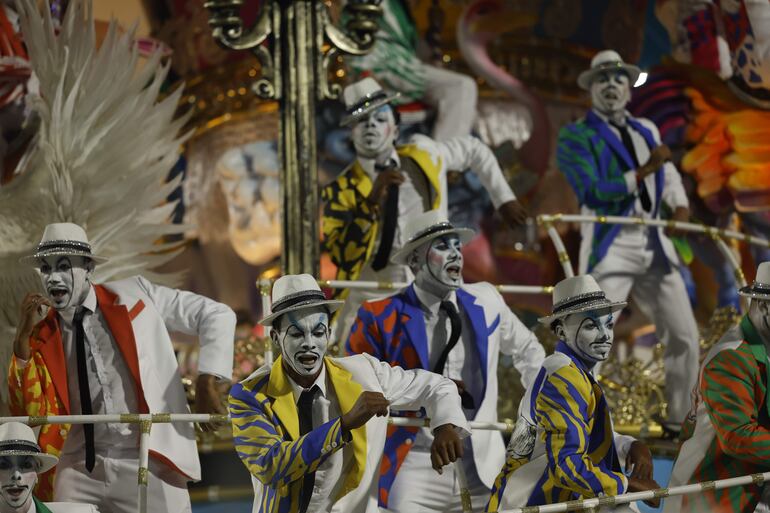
(393, 331)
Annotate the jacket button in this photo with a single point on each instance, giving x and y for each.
(408, 441)
(63, 432)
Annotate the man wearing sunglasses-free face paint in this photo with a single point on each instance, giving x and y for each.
(443, 325)
(105, 349)
(311, 428)
(21, 461)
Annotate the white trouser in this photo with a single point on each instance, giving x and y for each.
(658, 289)
(420, 489)
(112, 486)
(454, 96)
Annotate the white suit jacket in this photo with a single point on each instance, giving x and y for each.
(165, 309)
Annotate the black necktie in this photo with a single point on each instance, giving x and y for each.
(305, 411)
(85, 391)
(644, 194)
(457, 328)
(389, 220)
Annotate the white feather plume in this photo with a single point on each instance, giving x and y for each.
(101, 158)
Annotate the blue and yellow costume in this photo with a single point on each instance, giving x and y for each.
(575, 454)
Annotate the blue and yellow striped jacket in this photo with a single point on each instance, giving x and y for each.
(574, 431)
(266, 435)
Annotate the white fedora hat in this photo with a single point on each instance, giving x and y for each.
(604, 61)
(295, 292)
(17, 439)
(579, 294)
(760, 289)
(363, 97)
(424, 227)
(63, 239)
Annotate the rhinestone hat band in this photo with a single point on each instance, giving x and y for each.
(67, 245)
(364, 102)
(305, 296)
(589, 298)
(18, 446)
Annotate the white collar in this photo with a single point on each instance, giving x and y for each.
(606, 118)
(320, 380)
(430, 302)
(368, 164)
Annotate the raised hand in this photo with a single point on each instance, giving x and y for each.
(31, 312)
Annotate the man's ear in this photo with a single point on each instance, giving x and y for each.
(558, 328)
(274, 335)
(764, 307)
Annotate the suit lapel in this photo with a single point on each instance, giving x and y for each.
(478, 321)
(414, 327)
(650, 140)
(119, 320)
(360, 180)
(610, 138)
(284, 406)
(52, 351)
(348, 392)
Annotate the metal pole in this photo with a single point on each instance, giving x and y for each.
(144, 461)
(295, 42)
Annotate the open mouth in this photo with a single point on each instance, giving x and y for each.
(454, 271)
(57, 294)
(15, 492)
(611, 94)
(307, 359)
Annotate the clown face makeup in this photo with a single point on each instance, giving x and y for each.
(303, 336)
(441, 270)
(589, 334)
(610, 92)
(375, 135)
(18, 476)
(65, 280)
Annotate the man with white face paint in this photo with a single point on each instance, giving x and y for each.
(311, 428)
(105, 349)
(21, 460)
(440, 324)
(617, 166)
(563, 446)
(368, 204)
(731, 434)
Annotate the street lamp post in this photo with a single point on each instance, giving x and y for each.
(295, 41)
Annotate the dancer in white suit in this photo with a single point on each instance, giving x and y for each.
(105, 349)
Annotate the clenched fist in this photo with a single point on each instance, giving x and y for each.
(367, 406)
(381, 185)
(31, 312)
(447, 447)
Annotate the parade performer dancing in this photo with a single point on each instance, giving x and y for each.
(105, 349)
(563, 446)
(453, 329)
(96, 108)
(732, 424)
(311, 428)
(617, 166)
(368, 204)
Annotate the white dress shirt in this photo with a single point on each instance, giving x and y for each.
(109, 379)
(462, 361)
(329, 476)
